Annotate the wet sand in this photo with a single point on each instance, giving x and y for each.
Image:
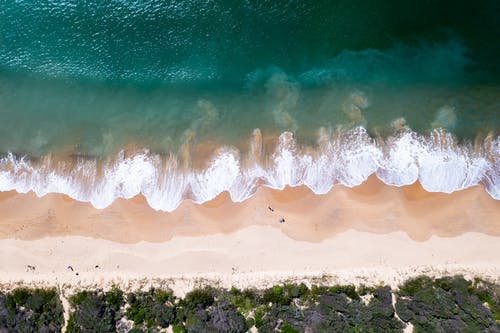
(372, 207)
(369, 233)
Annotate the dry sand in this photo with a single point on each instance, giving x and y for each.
(368, 234)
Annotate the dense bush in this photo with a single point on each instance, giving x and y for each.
(152, 309)
(489, 294)
(245, 301)
(334, 309)
(285, 294)
(448, 304)
(31, 310)
(209, 310)
(199, 298)
(95, 311)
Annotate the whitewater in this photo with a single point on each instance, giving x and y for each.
(347, 157)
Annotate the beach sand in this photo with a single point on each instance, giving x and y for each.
(368, 234)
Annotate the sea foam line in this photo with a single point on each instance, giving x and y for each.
(340, 157)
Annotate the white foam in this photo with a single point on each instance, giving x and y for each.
(492, 174)
(252, 173)
(356, 157)
(436, 161)
(246, 184)
(399, 165)
(446, 167)
(285, 167)
(348, 158)
(217, 178)
(168, 188)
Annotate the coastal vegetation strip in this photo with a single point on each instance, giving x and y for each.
(446, 304)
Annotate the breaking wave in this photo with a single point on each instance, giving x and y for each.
(436, 160)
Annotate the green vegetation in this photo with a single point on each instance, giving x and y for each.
(95, 311)
(210, 310)
(152, 309)
(328, 309)
(448, 304)
(488, 293)
(245, 301)
(199, 298)
(31, 310)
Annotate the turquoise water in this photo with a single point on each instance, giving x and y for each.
(180, 88)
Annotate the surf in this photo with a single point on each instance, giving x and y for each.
(346, 157)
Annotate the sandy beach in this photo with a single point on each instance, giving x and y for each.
(372, 207)
(368, 234)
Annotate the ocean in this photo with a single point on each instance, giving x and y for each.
(181, 100)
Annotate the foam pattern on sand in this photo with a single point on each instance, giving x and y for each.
(437, 161)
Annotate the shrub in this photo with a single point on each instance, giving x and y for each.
(348, 290)
(31, 310)
(153, 308)
(276, 295)
(223, 317)
(339, 308)
(211, 310)
(176, 328)
(199, 298)
(286, 328)
(297, 290)
(448, 304)
(285, 294)
(445, 304)
(488, 293)
(95, 311)
(244, 301)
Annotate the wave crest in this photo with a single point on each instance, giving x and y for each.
(437, 161)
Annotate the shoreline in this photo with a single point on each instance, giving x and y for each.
(200, 172)
(370, 207)
(367, 234)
